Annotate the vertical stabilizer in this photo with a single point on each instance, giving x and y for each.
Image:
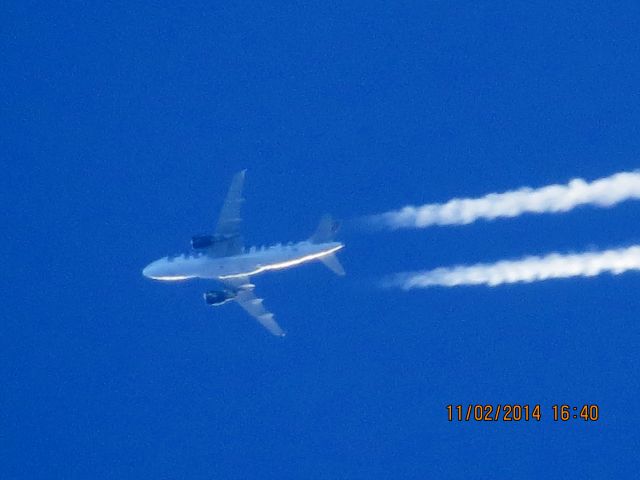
(325, 232)
(327, 228)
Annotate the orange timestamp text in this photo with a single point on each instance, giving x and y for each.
(520, 412)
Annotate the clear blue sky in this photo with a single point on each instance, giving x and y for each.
(122, 126)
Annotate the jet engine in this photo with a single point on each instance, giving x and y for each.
(202, 241)
(216, 298)
(199, 242)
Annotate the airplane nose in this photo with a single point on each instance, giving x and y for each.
(146, 271)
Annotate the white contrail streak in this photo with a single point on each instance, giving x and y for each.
(604, 192)
(528, 269)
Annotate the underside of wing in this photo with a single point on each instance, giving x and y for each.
(229, 221)
(253, 305)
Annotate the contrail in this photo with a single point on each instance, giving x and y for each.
(528, 269)
(604, 192)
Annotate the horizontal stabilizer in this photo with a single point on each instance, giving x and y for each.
(332, 263)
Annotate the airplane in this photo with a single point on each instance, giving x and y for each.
(222, 256)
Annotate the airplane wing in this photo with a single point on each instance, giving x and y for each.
(229, 220)
(253, 305)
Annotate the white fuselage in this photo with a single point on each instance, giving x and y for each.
(250, 262)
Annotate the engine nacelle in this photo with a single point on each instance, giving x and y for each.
(216, 298)
(198, 242)
(202, 241)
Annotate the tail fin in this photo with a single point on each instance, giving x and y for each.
(327, 228)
